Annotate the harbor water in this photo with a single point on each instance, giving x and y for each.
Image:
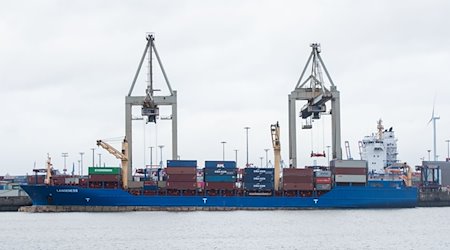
(418, 228)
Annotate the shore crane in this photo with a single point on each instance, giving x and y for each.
(314, 91)
(149, 103)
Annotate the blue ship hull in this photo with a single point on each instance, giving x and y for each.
(338, 197)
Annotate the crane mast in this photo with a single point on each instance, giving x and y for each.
(275, 131)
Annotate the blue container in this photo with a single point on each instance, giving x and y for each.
(181, 163)
(219, 171)
(151, 187)
(220, 164)
(220, 178)
(258, 178)
(264, 186)
(258, 171)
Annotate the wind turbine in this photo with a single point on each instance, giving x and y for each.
(434, 118)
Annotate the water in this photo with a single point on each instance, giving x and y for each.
(419, 228)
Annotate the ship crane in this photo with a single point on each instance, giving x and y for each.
(121, 155)
(313, 90)
(275, 131)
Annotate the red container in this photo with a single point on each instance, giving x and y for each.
(181, 170)
(298, 172)
(355, 171)
(323, 180)
(104, 177)
(220, 185)
(149, 183)
(298, 179)
(298, 186)
(111, 184)
(181, 185)
(182, 177)
(32, 179)
(59, 180)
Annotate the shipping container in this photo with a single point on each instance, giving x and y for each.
(220, 178)
(348, 163)
(321, 187)
(298, 172)
(97, 177)
(220, 164)
(219, 185)
(258, 185)
(181, 163)
(350, 178)
(189, 185)
(258, 178)
(298, 186)
(298, 179)
(110, 184)
(32, 179)
(151, 187)
(181, 170)
(220, 171)
(258, 171)
(323, 180)
(323, 173)
(104, 170)
(161, 184)
(72, 180)
(356, 171)
(182, 177)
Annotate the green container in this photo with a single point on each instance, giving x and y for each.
(104, 170)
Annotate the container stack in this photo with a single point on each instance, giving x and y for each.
(258, 179)
(220, 175)
(348, 172)
(323, 180)
(181, 175)
(104, 177)
(298, 179)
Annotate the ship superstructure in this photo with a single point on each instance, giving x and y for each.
(379, 149)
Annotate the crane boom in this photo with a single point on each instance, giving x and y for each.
(275, 131)
(123, 156)
(119, 155)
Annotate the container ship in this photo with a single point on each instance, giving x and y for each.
(344, 185)
(183, 184)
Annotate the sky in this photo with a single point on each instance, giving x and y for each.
(66, 67)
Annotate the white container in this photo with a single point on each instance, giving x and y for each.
(351, 178)
(348, 163)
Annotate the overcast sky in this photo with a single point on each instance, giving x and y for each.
(66, 66)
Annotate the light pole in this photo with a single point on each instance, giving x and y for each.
(267, 159)
(160, 151)
(448, 149)
(81, 163)
(99, 160)
(246, 132)
(65, 155)
(93, 157)
(223, 150)
(235, 155)
(429, 150)
(79, 167)
(151, 156)
(261, 158)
